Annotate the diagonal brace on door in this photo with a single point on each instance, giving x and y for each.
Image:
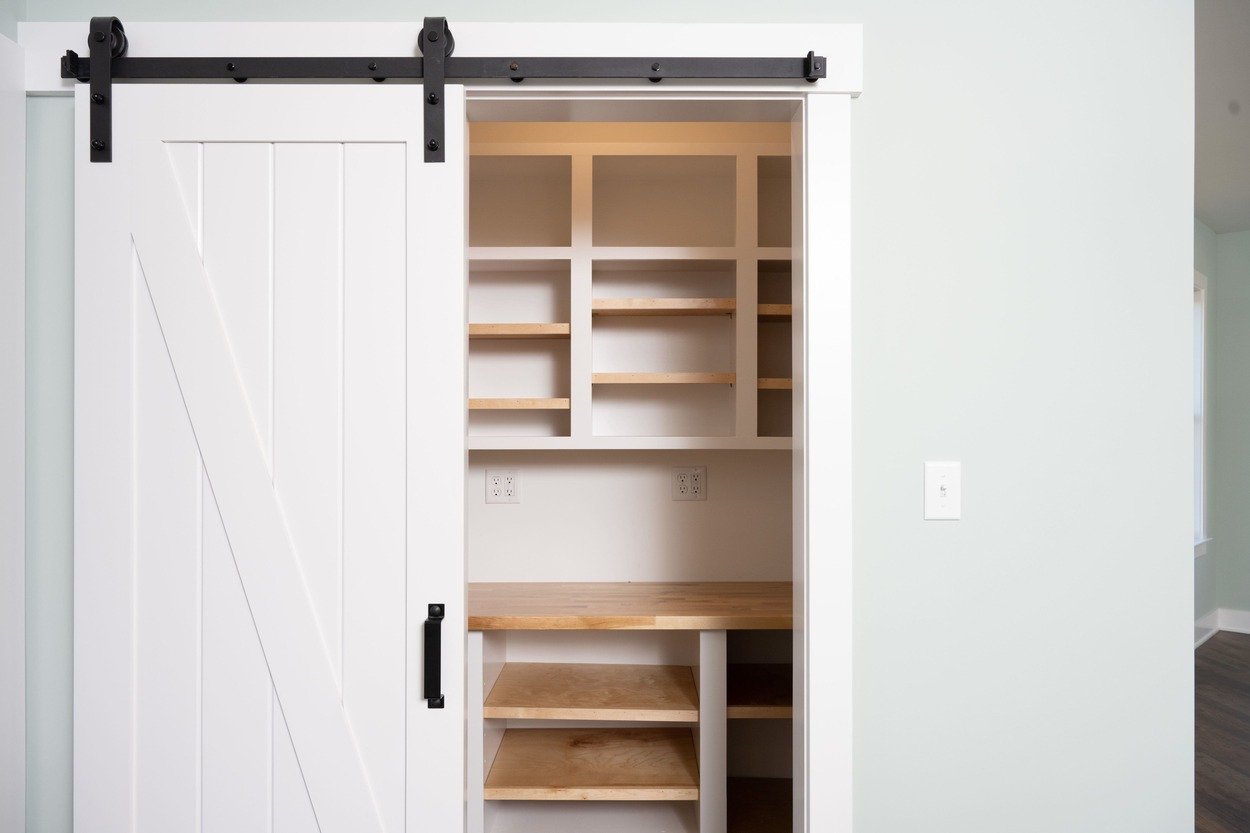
(229, 443)
(109, 64)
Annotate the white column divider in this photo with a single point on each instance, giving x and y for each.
(580, 321)
(713, 732)
(475, 754)
(746, 319)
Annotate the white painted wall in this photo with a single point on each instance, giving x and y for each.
(610, 516)
(12, 437)
(1022, 265)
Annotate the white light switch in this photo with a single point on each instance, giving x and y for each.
(943, 491)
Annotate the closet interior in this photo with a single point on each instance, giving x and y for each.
(630, 521)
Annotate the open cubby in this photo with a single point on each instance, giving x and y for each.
(520, 201)
(664, 200)
(518, 334)
(774, 360)
(774, 200)
(656, 410)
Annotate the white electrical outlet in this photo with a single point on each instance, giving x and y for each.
(503, 486)
(690, 483)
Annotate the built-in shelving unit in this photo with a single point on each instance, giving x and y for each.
(662, 237)
(630, 292)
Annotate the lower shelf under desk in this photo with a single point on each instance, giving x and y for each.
(594, 765)
(761, 805)
(746, 605)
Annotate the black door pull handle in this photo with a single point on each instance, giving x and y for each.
(432, 683)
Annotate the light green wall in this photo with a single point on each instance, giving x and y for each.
(1231, 487)
(1022, 251)
(1206, 578)
(11, 11)
(49, 462)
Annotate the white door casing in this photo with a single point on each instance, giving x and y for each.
(12, 437)
(268, 462)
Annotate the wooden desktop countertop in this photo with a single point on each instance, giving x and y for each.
(748, 605)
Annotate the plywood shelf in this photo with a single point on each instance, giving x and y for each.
(513, 443)
(631, 606)
(776, 312)
(490, 331)
(760, 690)
(766, 383)
(594, 765)
(760, 805)
(514, 404)
(663, 306)
(566, 691)
(676, 378)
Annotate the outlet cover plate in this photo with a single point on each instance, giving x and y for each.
(503, 486)
(943, 491)
(690, 483)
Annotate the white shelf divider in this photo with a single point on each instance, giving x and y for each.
(746, 325)
(713, 731)
(580, 294)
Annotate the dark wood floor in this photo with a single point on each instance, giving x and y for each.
(1222, 676)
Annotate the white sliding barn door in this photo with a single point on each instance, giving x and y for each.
(269, 461)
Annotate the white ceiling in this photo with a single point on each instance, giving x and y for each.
(1222, 167)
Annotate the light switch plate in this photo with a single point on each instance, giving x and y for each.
(943, 491)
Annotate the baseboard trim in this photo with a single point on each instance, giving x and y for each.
(1236, 621)
(1222, 619)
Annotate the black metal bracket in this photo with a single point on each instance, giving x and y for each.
(432, 679)
(106, 40)
(436, 45)
(109, 64)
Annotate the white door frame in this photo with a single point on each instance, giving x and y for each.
(12, 436)
(823, 427)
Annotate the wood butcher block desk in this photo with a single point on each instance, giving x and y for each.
(746, 605)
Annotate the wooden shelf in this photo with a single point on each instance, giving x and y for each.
(518, 404)
(594, 765)
(559, 691)
(760, 690)
(664, 378)
(760, 805)
(766, 383)
(513, 443)
(663, 306)
(485, 331)
(749, 605)
(776, 312)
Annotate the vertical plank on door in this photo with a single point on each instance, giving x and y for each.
(236, 245)
(167, 589)
(307, 396)
(104, 462)
(374, 513)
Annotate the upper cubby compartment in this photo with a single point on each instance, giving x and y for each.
(773, 189)
(664, 200)
(520, 201)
